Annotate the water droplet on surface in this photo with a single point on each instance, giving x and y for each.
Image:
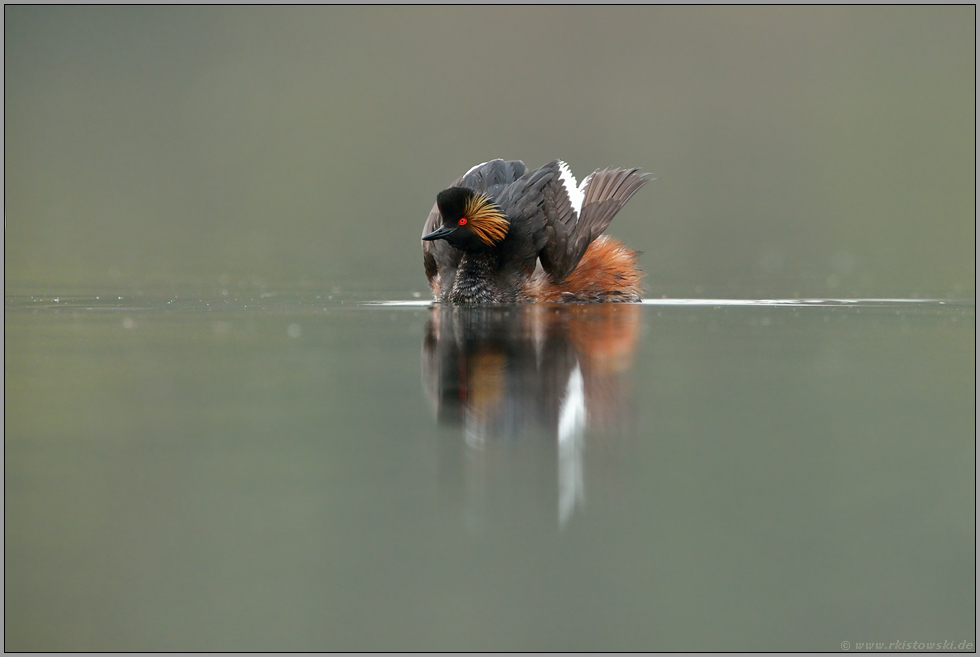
(294, 330)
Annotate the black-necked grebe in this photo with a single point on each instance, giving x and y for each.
(501, 234)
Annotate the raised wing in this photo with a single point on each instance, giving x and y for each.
(441, 259)
(574, 215)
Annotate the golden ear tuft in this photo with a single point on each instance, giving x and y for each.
(486, 219)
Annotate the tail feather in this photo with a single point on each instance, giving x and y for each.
(606, 272)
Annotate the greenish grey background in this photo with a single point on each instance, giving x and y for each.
(798, 151)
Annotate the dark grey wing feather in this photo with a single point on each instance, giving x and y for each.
(567, 234)
(491, 177)
(606, 192)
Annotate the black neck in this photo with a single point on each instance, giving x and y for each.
(477, 279)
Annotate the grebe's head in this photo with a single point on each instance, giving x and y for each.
(470, 220)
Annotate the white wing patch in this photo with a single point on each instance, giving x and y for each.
(576, 193)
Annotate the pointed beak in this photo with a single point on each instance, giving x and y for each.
(439, 234)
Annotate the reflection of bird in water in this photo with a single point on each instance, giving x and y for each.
(503, 374)
(501, 234)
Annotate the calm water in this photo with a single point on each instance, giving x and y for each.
(300, 470)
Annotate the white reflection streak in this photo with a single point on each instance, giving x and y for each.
(571, 432)
(473, 429)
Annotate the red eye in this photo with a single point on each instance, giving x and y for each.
(462, 221)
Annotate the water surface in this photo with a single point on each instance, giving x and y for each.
(281, 470)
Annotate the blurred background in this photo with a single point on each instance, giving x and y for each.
(798, 151)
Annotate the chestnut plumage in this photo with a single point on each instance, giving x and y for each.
(502, 234)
